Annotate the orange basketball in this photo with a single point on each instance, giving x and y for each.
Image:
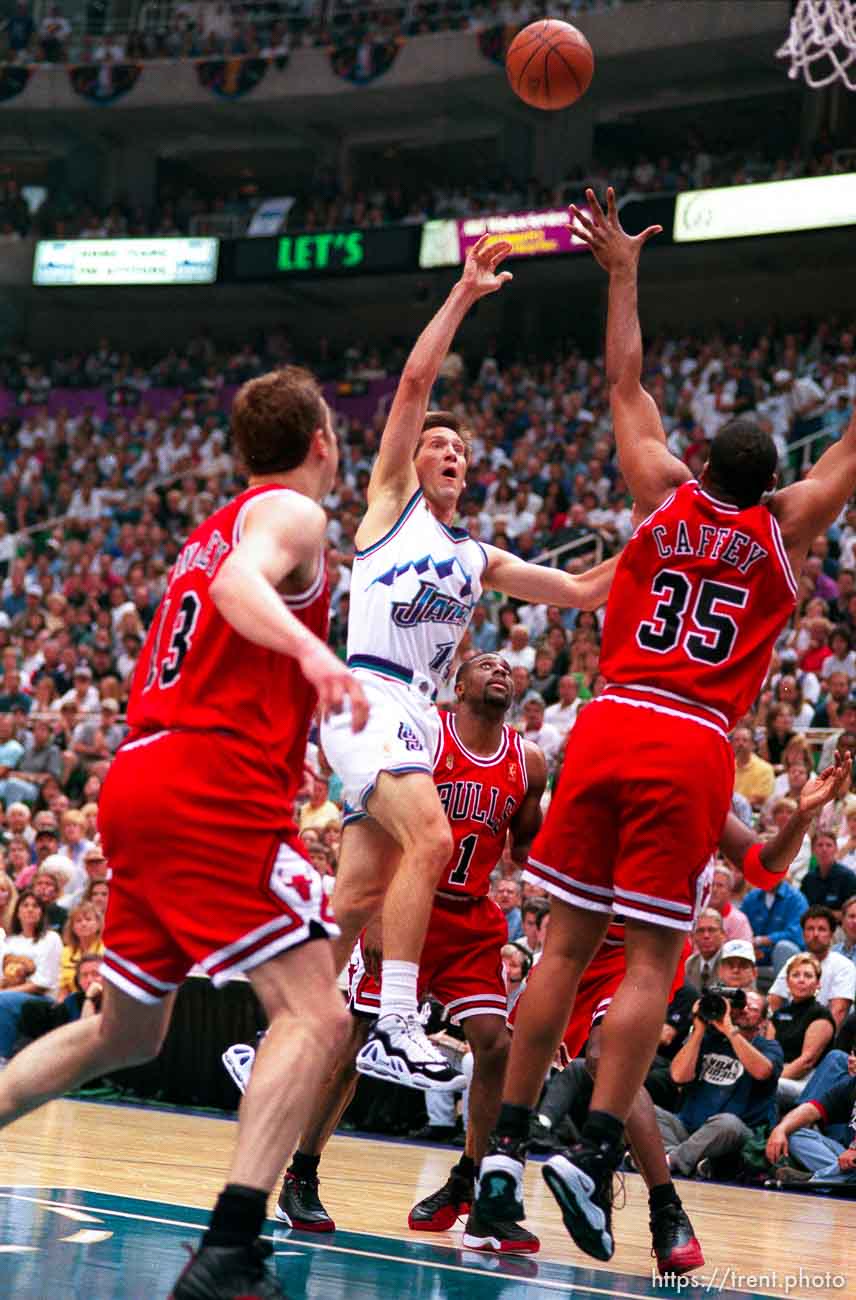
(549, 64)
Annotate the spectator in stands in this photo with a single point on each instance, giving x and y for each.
(729, 1070)
(702, 967)
(97, 893)
(753, 776)
(483, 634)
(563, 714)
(28, 938)
(737, 966)
(506, 895)
(54, 31)
(319, 811)
(542, 733)
(8, 899)
(516, 964)
(519, 653)
(838, 975)
(847, 946)
(81, 937)
(41, 758)
(831, 883)
(12, 788)
(735, 924)
(802, 1027)
(780, 730)
(774, 916)
(846, 853)
(532, 914)
(47, 887)
(822, 1157)
(829, 710)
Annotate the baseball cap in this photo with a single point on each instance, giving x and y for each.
(83, 670)
(782, 376)
(739, 948)
(48, 830)
(94, 855)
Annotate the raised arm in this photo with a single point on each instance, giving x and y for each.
(541, 585)
(650, 469)
(393, 473)
(776, 855)
(279, 539)
(809, 507)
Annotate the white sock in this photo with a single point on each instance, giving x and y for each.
(398, 988)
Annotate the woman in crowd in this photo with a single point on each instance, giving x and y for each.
(847, 946)
(847, 843)
(8, 899)
(97, 893)
(789, 691)
(81, 938)
(37, 976)
(803, 1028)
(17, 859)
(779, 732)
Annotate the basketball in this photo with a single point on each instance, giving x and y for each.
(549, 64)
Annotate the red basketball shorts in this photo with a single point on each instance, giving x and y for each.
(206, 864)
(460, 966)
(639, 809)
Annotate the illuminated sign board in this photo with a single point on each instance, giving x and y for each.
(773, 208)
(531, 234)
(125, 261)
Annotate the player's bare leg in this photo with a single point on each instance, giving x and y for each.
(490, 1042)
(299, 1202)
(126, 1033)
(307, 1022)
(581, 1179)
(675, 1245)
(572, 940)
(407, 807)
(368, 858)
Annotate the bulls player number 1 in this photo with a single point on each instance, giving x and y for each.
(713, 640)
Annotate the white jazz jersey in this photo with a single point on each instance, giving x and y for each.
(412, 595)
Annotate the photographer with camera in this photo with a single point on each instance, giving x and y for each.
(729, 1069)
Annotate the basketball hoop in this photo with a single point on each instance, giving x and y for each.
(822, 43)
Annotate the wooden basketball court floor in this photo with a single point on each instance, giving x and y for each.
(97, 1202)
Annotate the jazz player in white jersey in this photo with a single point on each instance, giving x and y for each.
(415, 581)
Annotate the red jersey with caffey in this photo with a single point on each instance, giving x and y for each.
(197, 673)
(479, 795)
(701, 592)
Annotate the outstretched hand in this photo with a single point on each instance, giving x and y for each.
(612, 247)
(480, 275)
(832, 783)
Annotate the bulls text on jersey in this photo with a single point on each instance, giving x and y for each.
(471, 801)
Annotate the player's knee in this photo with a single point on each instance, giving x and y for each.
(433, 843)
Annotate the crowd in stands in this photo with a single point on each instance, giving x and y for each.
(93, 509)
(187, 29)
(326, 204)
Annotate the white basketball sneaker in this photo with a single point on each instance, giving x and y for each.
(399, 1051)
(238, 1061)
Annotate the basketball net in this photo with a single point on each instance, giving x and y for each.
(822, 43)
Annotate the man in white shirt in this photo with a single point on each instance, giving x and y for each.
(563, 714)
(519, 653)
(837, 974)
(545, 736)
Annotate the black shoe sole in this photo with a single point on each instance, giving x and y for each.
(572, 1190)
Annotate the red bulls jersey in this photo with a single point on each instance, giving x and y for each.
(700, 594)
(196, 673)
(479, 796)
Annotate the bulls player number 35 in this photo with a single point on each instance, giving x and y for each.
(712, 633)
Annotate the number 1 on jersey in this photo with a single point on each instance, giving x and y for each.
(462, 869)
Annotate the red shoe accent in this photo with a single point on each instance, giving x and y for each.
(494, 1246)
(319, 1225)
(443, 1220)
(682, 1259)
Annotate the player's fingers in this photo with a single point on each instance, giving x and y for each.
(359, 705)
(580, 218)
(498, 253)
(479, 246)
(332, 697)
(504, 277)
(611, 210)
(594, 205)
(646, 234)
